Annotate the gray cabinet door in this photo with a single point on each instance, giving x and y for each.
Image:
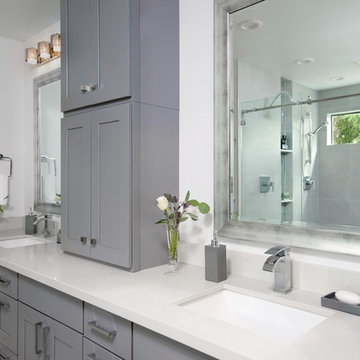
(148, 345)
(79, 39)
(8, 322)
(31, 333)
(75, 184)
(63, 342)
(96, 51)
(110, 185)
(110, 71)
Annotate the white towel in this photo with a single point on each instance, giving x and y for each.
(48, 189)
(4, 189)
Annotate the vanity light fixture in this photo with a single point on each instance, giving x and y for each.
(45, 52)
(304, 61)
(248, 25)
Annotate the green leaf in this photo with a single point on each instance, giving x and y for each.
(204, 208)
(187, 197)
(193, 202)
(193, 216)
(184, 218)
(1, 209)
(162, 221)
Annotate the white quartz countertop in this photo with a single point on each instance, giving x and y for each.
(149, 298)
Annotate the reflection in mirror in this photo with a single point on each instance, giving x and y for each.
(48, 115)
(295, 114)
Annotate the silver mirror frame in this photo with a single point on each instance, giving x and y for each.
(341, 242)
(38, 83)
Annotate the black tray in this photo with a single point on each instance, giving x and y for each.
(332, 302)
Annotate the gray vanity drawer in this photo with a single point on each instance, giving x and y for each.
(108, 330)
(6, 354)
(8, 322)
(8, 282)
(96, 352)
(62, 307)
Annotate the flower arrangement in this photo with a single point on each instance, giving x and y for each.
(176, 212)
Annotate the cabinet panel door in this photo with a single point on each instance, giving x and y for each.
(78, 32)
(8, 322)
(75, 183)
(111, 70)
(111, 175)
(148, 345)
(31, 333)
(63, 342)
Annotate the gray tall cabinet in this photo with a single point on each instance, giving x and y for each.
(120, 97)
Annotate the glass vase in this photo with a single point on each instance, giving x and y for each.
(172, 240)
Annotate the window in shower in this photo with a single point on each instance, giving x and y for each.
(345, 128)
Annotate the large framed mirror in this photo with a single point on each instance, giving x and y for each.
(287, 122)
(47, 115)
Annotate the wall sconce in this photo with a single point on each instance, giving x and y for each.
(45, 52)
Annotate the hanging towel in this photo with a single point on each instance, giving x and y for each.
(49, 189)
(4, 189)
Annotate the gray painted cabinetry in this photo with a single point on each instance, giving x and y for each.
(96, 51)
(116, 160)
(120, 79)
(149, 345)
(43, 338)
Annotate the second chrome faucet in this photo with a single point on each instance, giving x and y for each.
(279, 263)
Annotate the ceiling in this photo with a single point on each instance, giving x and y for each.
(327, 31)
(22, 19)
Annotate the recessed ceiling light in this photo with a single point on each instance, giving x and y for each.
(336, 78)
(304, 61)
(250, 25)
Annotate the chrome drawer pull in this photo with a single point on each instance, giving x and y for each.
(5, 357)
(5, 306)
(38, 326)
(108, 333)
(92, 357)
(4, 282)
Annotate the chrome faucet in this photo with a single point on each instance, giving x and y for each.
(46, 219)
(279, 263)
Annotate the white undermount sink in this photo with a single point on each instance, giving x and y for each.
(265, 317)
(19, 242)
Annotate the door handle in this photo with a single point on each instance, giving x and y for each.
(93, 86)
(5, 357)
(85, 88)
(38, 326)
(101, 330)
(4, 282)
(5, 306)
(46, 331)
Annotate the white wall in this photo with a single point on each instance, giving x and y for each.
(12, 134)
(31, 72)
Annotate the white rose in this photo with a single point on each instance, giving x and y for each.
(162, 203)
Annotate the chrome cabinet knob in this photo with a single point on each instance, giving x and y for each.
(85, 88)
(93, 86)
(83, 240)
(93, 242)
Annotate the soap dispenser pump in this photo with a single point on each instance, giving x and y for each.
(215, 261)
